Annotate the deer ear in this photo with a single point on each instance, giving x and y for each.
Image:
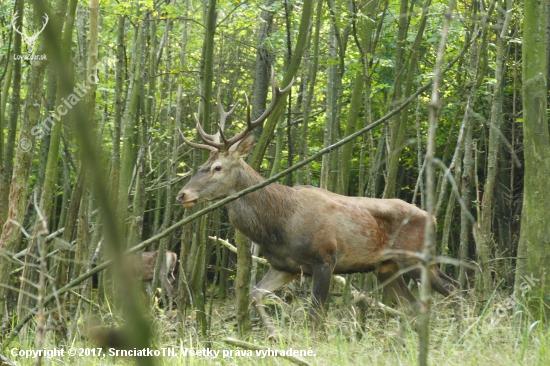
(244, 147)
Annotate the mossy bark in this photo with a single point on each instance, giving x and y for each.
(534, 244)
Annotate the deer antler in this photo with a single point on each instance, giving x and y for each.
(213, 141)
(194, 144)
(223, 117)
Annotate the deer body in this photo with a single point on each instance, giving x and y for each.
(311, 231)
(308, 230)
(348, 233)
(148, 263)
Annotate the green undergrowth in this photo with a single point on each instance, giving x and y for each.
(484, 337)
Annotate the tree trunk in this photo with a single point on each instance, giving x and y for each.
(259, 101)
(269, 125)
(309, 87)
(51, 172)
(261, 66)
(7, 76)
(128, 158)
(483, 228)
(15, 102)
(242, 281)
(172, 157)
(429, 251)
(117, 117)
(535, 227)
(207, 68)
(398, 125)
(19, 185)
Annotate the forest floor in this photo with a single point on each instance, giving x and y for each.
(492, 336)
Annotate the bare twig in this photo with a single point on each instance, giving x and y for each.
(454, 187)
(91, 303)
(432, 260)
(232, 248)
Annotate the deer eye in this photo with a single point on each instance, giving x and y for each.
(217, 168)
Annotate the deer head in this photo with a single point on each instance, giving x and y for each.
(217, 178)
(29, 40)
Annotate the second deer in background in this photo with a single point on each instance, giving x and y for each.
(148, 263)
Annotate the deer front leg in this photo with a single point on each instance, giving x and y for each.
(322, 275)
(272, 281)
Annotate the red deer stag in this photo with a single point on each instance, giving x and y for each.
(308, 230)
(148, 263)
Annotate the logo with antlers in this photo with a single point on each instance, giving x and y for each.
(30, 40)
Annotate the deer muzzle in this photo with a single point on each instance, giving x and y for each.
(187, 199)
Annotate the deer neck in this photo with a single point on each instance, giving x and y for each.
(260, 215)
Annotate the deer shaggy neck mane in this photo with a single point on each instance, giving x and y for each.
(258, 214)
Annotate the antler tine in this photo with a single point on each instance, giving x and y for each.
(196, 119)
(220, 131)
(247, 108)
(211, 140)
(215, 138)
(276, 95)
(223, 113)
(242, 134)
(195, 145)
(205, 136)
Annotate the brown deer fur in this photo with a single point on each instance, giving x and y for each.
(148, 263)
(311, 231)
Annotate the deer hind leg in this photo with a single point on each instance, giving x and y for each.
(321, 285)
(397, 288)
(272, 281)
